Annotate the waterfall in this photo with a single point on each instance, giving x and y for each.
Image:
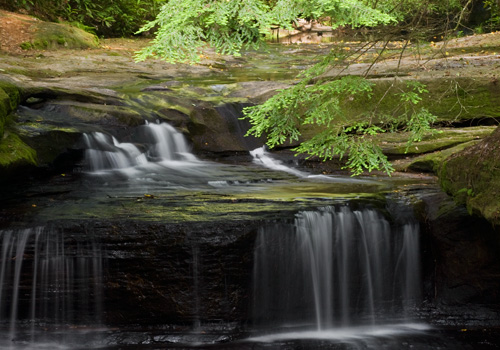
(166, 143)
(335, 267)
(262, 157)
(196, 287)
(105, 152)
(153, 143)
(47, 282)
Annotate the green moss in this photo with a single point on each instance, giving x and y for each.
(432, 162)
(56, 35)
(13, 95)
(444, 138)
(40, 44)
(449, 99)
(14, 152)
(26, 45)
(4, 110)
(473, 177)
(463, 98)
(61, 40)
(9, 100)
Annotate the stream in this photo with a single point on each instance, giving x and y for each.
(146, 245)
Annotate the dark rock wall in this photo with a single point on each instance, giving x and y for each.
(460, 254)
(160, 274)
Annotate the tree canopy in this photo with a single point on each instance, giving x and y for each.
(186, 26)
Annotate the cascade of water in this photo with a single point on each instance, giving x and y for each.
(334, 267)
(196, 291)
(166, 143)
(47, 282)
(262, 157)
(161, 142)
(105, 152)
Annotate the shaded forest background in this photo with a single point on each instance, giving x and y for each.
(123, 18)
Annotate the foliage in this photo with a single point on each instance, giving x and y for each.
(185, 26)
(324, 105)
(447, 12)
(493, 7)
(110, 18)
(405, 10)
(432, 19)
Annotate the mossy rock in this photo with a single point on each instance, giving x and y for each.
(219, 129)
(15, 153)
(96, 114)
(162, 103)
(9, 100)
(49, 141)
(461, 99)
(4, 110)
(49, 36)
(432, 162)
(450, 99)
(395, 144)
(473, 177)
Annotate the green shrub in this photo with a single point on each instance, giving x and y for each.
(101, 17)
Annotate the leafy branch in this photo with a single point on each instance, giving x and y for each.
(185, 27)
(325, 105)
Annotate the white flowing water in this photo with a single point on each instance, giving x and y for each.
(160, 142)
(167, 143)
(104, 152)
(335, 272)
(262, 157)
(155, 156)
(48, 286)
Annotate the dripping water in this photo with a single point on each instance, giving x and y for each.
(335, 268)
(48, 283)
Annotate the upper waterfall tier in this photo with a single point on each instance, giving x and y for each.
(160, 142)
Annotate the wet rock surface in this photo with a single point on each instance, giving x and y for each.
(178, 274)
(461, 251)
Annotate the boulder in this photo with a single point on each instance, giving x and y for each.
(472, 177)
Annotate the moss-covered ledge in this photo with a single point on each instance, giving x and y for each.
(13, 151)
(472, 177)
(10, 98)
(59, 35)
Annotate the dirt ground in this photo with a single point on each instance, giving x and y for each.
(15, 29)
